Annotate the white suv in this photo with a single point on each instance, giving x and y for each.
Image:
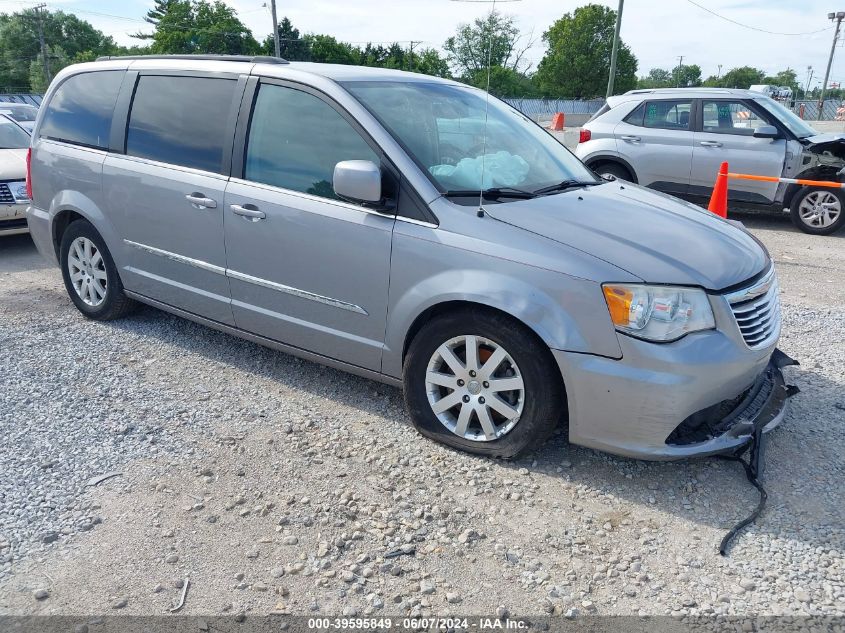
(674, 140)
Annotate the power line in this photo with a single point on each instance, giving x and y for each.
(754, 28)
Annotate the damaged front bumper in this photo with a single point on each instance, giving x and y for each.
(652, 405)
(760, 407)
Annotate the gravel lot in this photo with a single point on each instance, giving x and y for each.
(277, 485)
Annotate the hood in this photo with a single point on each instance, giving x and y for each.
(832, 143)
(12, 164)
(655, 237)
(819, 139)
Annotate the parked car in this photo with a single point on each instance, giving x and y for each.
(22, 113)
(766, 89)
(14, 142)
(368, 219)
(674, 140)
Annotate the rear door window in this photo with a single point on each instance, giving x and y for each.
(80, 111)
(181, 120)
(664, 115)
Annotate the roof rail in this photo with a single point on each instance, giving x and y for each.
(254, 59)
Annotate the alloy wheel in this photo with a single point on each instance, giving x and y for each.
(475, 388)
(87, 271)
(820, 209)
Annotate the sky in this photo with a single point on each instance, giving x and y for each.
(658, 31)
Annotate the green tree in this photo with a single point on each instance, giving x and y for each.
(495, 38)
(687, 76)
(656, 78)
(38, 81)
(291, 46)
(788, 78)
(20, 46)
(199, 26)
(154, 16)
(326, 49)
(741, 77)
(577, 62)
(504, 82)
(429, 62)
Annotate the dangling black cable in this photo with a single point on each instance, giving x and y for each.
(723, 546)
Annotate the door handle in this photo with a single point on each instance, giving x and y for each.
(249, 211)
(630, 139)
(201, 201)
(711, 143)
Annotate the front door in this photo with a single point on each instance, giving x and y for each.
(726, 134)
(170, 185)
(305, 268)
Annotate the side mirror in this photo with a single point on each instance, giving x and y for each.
(766, 131)
(357, 181)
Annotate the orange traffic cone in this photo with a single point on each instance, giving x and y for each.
(719, 199)
(558, 121)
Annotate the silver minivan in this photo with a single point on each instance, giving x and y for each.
(675, 139)
(415, 231)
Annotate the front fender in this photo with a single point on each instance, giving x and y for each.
(567, 313)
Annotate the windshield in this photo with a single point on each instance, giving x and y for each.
(19, 113)
(12, 136)
(792, 121)
(442, 127)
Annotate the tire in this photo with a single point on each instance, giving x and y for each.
(539, 404)
(818, 210)
(613, 171)
(94, 285)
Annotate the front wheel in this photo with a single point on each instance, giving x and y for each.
(613, 171)
(481, 382)
(818, 210)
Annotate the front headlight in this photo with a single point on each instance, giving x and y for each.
(18, 190)
(658, 313)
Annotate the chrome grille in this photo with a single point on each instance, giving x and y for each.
(6, 196)
(757, 311)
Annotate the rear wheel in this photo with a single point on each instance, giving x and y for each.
(481, 382)
(613, 171)
(818, 210)
(90, 275)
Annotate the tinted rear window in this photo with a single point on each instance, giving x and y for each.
(80, 111)
(181, 120)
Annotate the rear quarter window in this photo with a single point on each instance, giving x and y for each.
(601, 111)
(81, 109)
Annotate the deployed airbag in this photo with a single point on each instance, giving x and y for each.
(501, 169)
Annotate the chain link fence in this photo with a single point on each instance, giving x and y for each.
(545, 109)
(809, 109)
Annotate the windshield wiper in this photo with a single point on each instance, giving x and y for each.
(564, 185)
(492, 193)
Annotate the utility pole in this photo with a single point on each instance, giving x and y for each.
(680, 67)
(275, 29)
(44, 57)
(809, 79)
(615, 50)
(838, 16)
(411, 63)
(719, 74)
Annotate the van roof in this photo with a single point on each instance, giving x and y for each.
(262, 65)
